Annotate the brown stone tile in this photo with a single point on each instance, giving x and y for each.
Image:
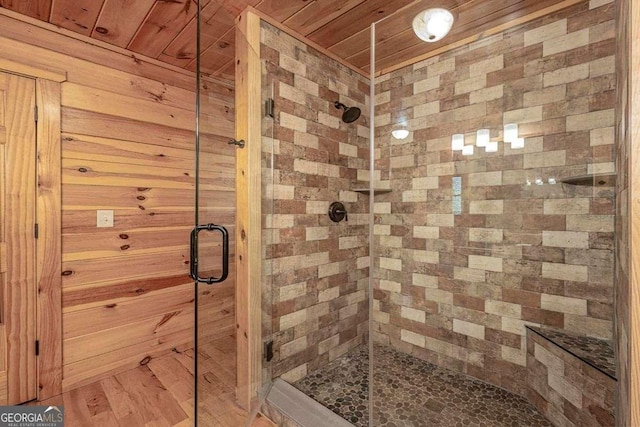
(543, 317)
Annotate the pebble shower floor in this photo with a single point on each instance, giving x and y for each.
(410, 392)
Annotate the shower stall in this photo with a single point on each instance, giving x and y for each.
(460, 271)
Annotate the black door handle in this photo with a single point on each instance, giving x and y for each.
(194, 253)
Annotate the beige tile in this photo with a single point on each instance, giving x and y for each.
(292, 122)
(329, 269)
(487, 207)
(603, 31)
(563, 304)
(471, 84)
(566, 42)
(382, 207)
(293, 319)
(513, 355)
(468, 274)
(545, 32)
(425, 232)
(381, 317)
(602, 136)
(480, 262)
(426, 84)
(412, 314)
(566, 206)
(438, 295)
(566, 75)
(328, 294)
(424, 280)
(602, 66)
(601, 168)
(293, 65)
(292, 94)
(415, 196)
(391, 263)
(565, 239)
(487, 235)
(472, 111)
(412, 338)
(523, 115)
(591, 223)
(295, 374)
(545, 159)
(482, 179)
(554, 364)
(426, 109)
(468, 328)
(440, 220)
(425, 183)
(441, 67)
(383, 97)
(294, 291)
(403, 161)
(486, 94)
(515, 326)
(566, 390)
(306, 85)
(348, 311)
(545, 96)
(588, 121)
(575, 273)
(429, 257)
(326, 345)
(439, 169)
(293, 347)
(597, 3)
(504, 309)
(390, 286)
(589, 326)
(486, 66)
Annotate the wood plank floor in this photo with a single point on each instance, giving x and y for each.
(160, 393)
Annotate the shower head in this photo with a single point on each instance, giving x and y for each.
(350, 115)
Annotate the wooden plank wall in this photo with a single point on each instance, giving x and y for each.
(128, 145)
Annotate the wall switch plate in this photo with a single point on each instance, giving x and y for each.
(104, 219)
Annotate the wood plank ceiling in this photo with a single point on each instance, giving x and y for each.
(166, 29)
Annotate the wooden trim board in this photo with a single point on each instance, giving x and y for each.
(634, 215)
(248, 204)
(49, 244)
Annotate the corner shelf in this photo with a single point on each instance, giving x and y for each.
(600, 180)
(367, 191)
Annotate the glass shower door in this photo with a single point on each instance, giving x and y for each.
(213, 238)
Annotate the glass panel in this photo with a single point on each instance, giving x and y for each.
(269, 227)
(316, 153)
(487, 234)
(215, 205)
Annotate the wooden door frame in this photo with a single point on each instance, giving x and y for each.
(248, 105)
(633, 150)
(48, 216)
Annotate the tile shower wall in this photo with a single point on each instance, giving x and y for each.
(459, 272)
(317, 269)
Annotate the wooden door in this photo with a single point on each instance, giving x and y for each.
(18, 382)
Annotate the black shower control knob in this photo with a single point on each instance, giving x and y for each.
(337, 212)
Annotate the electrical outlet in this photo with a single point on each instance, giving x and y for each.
(104, 219)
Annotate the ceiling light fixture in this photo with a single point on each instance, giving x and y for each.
(400, 133)
(432, 25)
